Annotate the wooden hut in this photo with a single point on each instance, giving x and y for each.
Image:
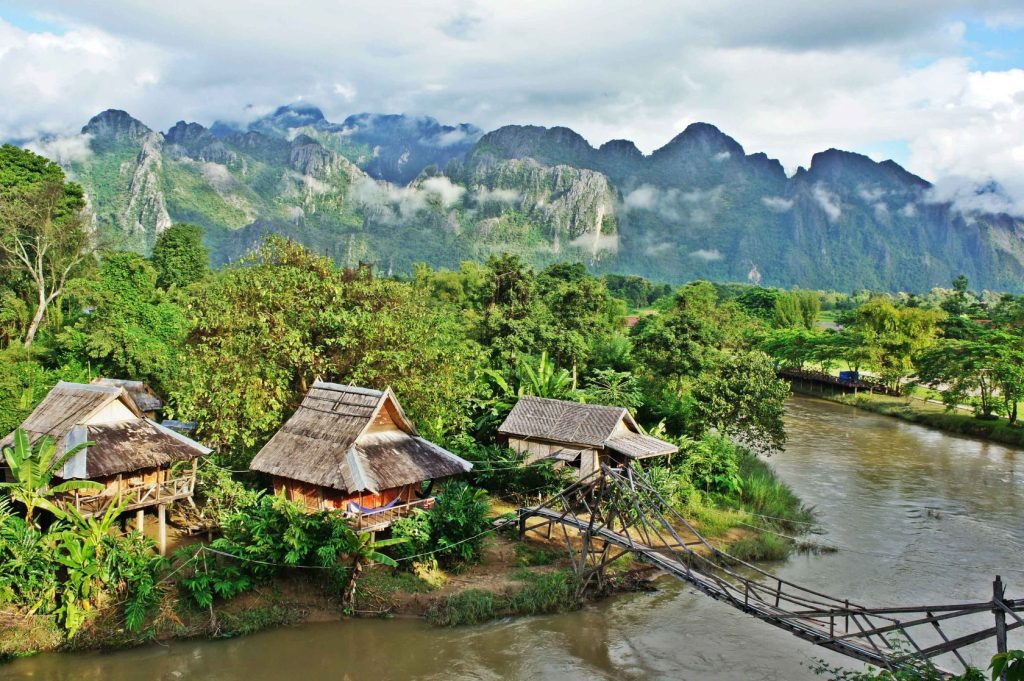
(129, 454)
(145, 398)
(354, 449)
(582, 436)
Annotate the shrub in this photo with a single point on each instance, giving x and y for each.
(267, 537)
(712, 464)
(458, 521)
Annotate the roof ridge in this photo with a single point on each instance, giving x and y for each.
(341, 387)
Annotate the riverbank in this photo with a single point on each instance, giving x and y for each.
(932, 415)
(514, 577)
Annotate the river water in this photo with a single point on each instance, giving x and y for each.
(919, 517)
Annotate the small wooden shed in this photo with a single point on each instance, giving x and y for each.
(130, 455)
(578, 435)
(354, 449)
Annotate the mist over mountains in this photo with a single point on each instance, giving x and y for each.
(397, 190)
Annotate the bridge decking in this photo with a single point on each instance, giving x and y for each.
(615, 508)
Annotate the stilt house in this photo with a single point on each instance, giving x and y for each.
(581, 436)
(354, 449)
(129, 454)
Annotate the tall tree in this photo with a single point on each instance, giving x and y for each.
(42, 230)
(179, 256)
(894, 335)
(132, 329)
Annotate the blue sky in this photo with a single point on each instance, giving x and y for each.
(937, 85)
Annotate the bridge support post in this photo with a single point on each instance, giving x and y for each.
(998, 595)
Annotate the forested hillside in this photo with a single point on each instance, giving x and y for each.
(396, 190)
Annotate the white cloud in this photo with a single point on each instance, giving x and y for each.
(870, 194)
(707, 255)
(346, 91)
(497, 195)
(63, 150)
(777, 203)
(789, 80)
(973, 195)
(828, 201)
(721, 156)
(443, 189)
(644, 197)
(909, 211)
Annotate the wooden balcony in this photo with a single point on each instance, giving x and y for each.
(138, 495)
(379, 519)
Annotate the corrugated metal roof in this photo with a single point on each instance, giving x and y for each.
(640, 446)
(563, 421)
(143, 395)
(325, 443)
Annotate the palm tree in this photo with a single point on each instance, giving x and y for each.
(33, 471)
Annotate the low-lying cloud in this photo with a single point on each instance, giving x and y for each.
(777, 203)
(970, 196)
(64, 150)
(707, 255)
(828, 201)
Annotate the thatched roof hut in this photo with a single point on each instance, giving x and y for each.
(124, 440)
(354, 440)
(578, 434)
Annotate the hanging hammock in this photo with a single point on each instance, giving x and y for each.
(355, 508)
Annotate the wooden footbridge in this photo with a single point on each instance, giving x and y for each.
(615, 512)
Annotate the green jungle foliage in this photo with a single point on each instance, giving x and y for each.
(74, 566)
(452, 533)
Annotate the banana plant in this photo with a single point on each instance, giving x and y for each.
(364, 552)
(34, 469)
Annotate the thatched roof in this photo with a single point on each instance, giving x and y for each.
(329, 442)
(588, 425)
(139, 391)
(122, 446)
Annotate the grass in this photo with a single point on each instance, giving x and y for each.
(762, 546)
(529, 554)
(765, 496)
(541, 593)
(764, 509)
(23, 635)
(935, 416)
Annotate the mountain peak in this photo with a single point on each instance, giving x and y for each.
(299, 113)
(702, 138)
(115, 124)
(838, 166)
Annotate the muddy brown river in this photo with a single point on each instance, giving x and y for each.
(919, 517)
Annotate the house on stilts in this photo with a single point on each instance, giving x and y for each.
(353, 449)
(129, 454)
(581, 436)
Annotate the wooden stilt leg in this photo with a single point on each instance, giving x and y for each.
(140, 520)
(162, 516)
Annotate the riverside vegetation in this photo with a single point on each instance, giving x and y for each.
(234, 350)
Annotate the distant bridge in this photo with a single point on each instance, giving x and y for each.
(812, 381)
(614, 512)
